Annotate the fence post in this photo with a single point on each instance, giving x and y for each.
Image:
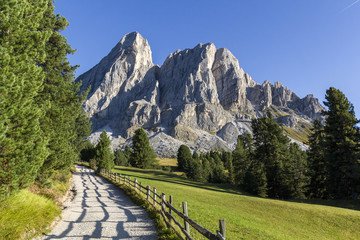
(148, 193)
(116, 177)
(163, 197)
(119, 177)
(171, 203)
(222, 227)
(129, 182)
(185, 211)
(135, 184)
(154, 196)
(124, 180)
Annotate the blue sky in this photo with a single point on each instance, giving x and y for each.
(308, 45)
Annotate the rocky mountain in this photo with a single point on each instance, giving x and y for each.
(199, 97)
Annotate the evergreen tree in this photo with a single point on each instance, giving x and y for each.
(22, 50)
(255, 181)
(295, 173)
(88, 151)
(184, 158)
(128, 153)
(317, 164)
(227, 159)
(341, 145)
(206, 170)
(143, 155)
(242, 155)
(64, 123)
(104, 156)
(271, 148)
(194, 171)
(120, 158)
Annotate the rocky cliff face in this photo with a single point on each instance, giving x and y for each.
(200, 97)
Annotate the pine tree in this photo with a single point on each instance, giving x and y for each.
(104, 156)
(128, 153)
(271, 148)
(22, 50)
(227, 159)
(143, 155)
(317, 164)
(120, 158)
(255, 180)
(184, 158)
(295, 173)
(341, 145)
(242, 155)
(194, 171)
(64, 123)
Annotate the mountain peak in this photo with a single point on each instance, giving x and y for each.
(195, 93)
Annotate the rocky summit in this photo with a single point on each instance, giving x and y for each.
(200, 97)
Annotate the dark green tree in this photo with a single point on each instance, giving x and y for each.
(227, 159)
(104, 156)
(184, 158)
(318, 173)
(64, 122)
(128, 153)
(206, 170)
(143, 156)
(341, 145)
(295, 173)
(242, 155)
(271, 148)
(120, 158)
(194, 171)
(88, 151)
(255, 181)
(22, 50)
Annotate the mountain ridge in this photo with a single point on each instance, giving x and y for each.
(200, 97)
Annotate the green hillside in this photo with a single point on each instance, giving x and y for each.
(249, 217)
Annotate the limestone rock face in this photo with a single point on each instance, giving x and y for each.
(200, 97)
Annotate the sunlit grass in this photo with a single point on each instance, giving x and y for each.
(172, 162)
(249, 217)
(26, 214)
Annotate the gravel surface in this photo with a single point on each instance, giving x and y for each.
(99, 210)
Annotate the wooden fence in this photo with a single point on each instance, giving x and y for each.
(167, 210)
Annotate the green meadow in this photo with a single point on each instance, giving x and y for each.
(249, 217)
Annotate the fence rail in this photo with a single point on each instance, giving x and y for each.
(167, 210)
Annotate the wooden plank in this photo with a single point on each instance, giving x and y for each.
(222, 228)
(185, 211)
(148, 193)
(154, 196)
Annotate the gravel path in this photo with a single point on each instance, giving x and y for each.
(100, 210)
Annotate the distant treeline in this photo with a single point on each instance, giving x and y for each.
(42, 123)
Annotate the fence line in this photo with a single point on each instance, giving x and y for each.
(161, 206)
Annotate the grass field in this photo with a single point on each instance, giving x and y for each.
(249, 217)
(171, 162)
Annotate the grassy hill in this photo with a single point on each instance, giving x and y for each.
(249, 217)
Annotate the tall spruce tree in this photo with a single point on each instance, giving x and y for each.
(317, 164)
(143, 156)
(64, 123)
(104, 157)
(22, 50)
(271, 147)
(295, 173)
(242, 155)
(341, 145)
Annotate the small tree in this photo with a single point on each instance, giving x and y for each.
(143, 156)
(104, 156)
(184, 158)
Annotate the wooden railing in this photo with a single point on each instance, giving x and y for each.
(167, 210)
